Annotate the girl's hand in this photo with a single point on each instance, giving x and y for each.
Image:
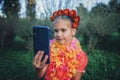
(37, 63)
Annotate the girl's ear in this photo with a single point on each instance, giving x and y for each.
(73, 32)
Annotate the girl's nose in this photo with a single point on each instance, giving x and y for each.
(59, 34)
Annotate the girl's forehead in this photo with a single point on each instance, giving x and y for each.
(60, 21)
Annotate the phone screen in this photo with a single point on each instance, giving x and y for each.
(41, 39)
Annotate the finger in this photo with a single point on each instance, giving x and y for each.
(40, 57)
(36, 57)
(35, 60)
(45, 59)
(38, 66)
(43, 63)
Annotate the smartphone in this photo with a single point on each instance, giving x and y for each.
(41, 40)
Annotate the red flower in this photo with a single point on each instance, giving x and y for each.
(74, 25)
(72, 13)
(60, 12)
(76, 19)
(52, 18)
(55, 13)
(66, 12)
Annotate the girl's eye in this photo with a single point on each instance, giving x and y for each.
(55, 30)
(63, 30)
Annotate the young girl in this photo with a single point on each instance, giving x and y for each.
(67, 59)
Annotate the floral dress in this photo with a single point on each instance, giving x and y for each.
(65, 60)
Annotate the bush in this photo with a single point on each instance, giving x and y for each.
(102, 66)
(18, 43)
(111, 43)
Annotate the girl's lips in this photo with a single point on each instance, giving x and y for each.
(59, 39)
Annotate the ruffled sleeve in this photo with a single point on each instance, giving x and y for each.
(82, 62)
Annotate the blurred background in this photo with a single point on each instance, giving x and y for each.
(98, 33)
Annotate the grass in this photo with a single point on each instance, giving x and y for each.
(17, 65)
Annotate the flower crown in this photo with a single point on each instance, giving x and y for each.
(66, 12)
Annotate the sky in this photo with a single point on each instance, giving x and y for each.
(87, 4)
(91, 3)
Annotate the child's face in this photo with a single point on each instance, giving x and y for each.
(63, 32)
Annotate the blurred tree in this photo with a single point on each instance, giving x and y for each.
(7, 25)
(97, 24)
(100, 27)
(6, 33)
(84, 17)
(31, 9)
(11, 8)
(114, 6)
(100, 9)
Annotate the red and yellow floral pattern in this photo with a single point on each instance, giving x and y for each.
(65, 60)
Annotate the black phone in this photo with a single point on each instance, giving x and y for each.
(41, 35)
